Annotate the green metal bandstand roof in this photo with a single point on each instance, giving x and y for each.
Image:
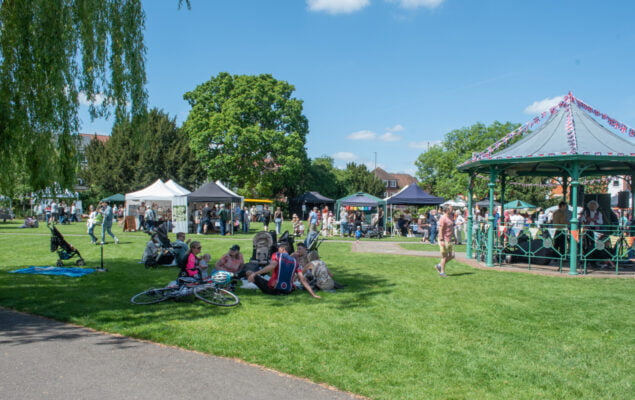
(569, 134)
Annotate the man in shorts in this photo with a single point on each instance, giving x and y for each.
(446, 230)
(283, 269)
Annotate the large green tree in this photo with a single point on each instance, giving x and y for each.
(323, 177)
(51, 51)
(357, 178)
(249, 131)
(437, 167)
(139, 152)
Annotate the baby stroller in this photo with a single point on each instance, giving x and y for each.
(313, 241)
(65, 250)
(265, 244)
(165, 251)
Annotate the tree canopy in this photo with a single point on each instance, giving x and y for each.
(248, 131)
(438, 174)
(357, 178)
(139, 152)
(51, 53)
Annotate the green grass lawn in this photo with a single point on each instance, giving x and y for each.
(397, 331)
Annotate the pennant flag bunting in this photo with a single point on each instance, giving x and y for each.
(630, 240)
(614, 240)
(576, 235)
(533, 231)
(552, 232)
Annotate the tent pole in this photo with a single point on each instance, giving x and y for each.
(490, 219)
(573, 240)
(470, 215)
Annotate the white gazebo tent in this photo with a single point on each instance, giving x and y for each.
(167, 196)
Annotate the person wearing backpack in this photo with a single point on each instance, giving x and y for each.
(283, 269)
(318, 274)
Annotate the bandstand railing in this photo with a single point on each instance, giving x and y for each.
(599, 247)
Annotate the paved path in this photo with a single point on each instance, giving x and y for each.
(384, 247)
(46, 359)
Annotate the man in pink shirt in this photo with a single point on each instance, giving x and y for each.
(446, 230)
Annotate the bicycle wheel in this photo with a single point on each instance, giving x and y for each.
(216, 296)
(152, 296)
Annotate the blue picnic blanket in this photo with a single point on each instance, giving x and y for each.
(70, 271)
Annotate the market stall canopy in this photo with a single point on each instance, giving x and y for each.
(454, 203)
(157, 191)
(361, 199)
(313, 198)
(177, 188)
(115, 197)
(414, 195)
(518, 204)
(485, 203)
(212, 192)
(242, 198)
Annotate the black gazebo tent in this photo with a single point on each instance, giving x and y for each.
(309, 200)
(213, 193)
(413, 195)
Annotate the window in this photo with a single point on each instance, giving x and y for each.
(616, 183)
(393, 183)
(385, 182)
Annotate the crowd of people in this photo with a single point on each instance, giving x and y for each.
(286, 271)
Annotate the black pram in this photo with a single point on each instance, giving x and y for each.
(65, 250)
(165, 252)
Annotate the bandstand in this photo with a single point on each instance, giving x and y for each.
(567, 143)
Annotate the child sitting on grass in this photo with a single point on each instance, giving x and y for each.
(203, 264)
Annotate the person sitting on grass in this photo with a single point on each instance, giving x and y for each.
(203, 264)
(191, 266)
(283, 269)
(180, 246)
(30, 222)
(232, 262)
(318, 274)
(301, 255)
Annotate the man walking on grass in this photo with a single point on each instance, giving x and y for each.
(446, 230)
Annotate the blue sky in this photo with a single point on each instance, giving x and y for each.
(387, 77)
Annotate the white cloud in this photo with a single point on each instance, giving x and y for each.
(390, 137)
(543, 105)
(337, 6)
(97, 99)
(344, 155)
(362, 135)
(412, 4)
(396, 128)
(424, 144)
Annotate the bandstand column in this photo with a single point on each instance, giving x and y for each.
(573, 243)
(632, 197)
(470, 216)
(490, 219)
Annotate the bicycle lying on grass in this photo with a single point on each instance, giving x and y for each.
(211, 290)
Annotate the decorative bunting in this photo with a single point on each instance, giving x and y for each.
(567, 102)
(630, 240)
(576, 235)
(614, 240)
(533, 231)
(552, 232)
